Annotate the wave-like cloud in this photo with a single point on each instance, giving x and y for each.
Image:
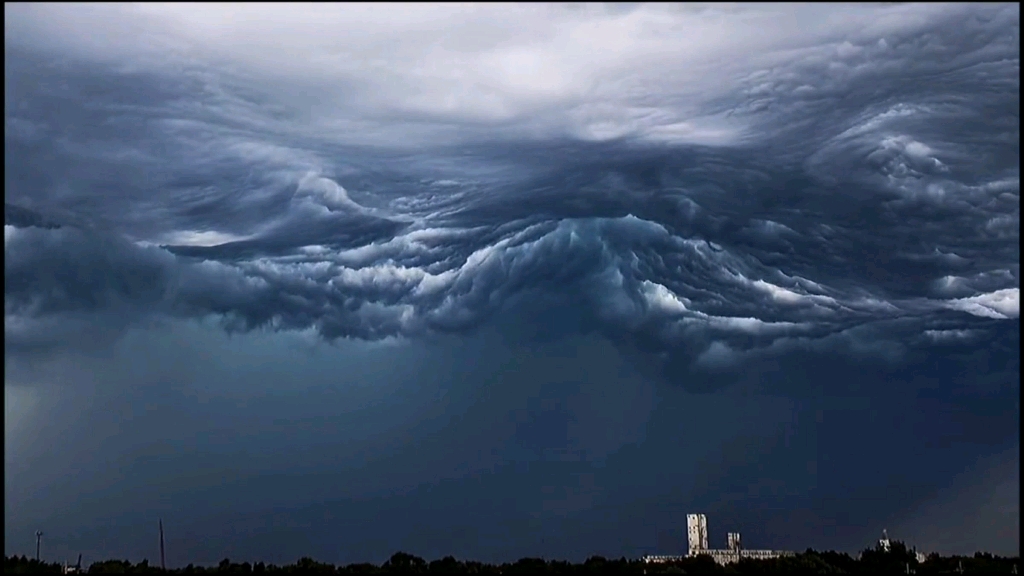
(692, 186)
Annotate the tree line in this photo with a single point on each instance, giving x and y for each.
(896, 560)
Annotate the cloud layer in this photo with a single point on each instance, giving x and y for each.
(872, 175)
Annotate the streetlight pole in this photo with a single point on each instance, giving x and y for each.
(162, 565)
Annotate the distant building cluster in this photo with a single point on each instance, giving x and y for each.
(697, 538)
(885, 545)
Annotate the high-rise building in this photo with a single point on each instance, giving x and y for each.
(697, 532)
(734, 541)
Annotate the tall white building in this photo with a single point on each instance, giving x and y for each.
(697, 532)
(697, 537)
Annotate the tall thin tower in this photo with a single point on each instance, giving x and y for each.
(162, 565)
(697, 533)
(39, 536)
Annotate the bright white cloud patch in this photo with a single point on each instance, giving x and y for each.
(661, 299)
(648, 71)
(203, 238)
(999, 304)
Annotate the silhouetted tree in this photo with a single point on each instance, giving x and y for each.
(364, 568)
(25, 565)
(877, 561)
(112, 567)
(447, 565)
(896, 560)
(307, 565)
(402, 563)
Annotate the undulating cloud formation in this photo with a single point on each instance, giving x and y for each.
(754, 216)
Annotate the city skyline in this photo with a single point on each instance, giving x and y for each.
(697, 544)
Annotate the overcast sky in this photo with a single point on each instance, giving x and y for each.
(509, 280)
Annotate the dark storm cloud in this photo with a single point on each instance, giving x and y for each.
(819, 203)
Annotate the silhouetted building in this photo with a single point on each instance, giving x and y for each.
(697, 540)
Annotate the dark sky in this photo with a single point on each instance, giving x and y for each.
(501, 281)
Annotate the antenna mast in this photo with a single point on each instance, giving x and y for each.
(162, 566)
(39, 536)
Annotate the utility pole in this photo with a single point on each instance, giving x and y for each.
(162, 566)
(39, 536)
